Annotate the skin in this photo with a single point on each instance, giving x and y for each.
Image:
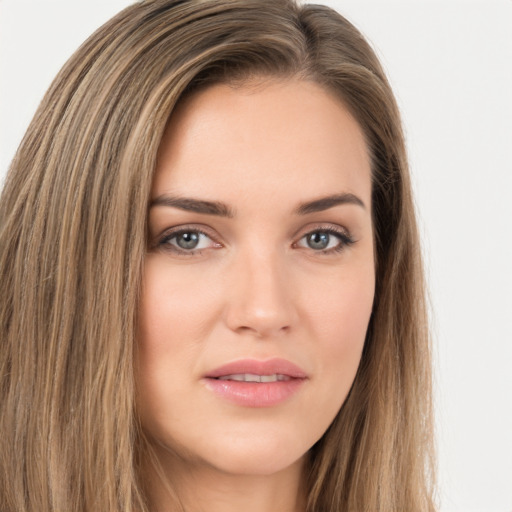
(255, 288)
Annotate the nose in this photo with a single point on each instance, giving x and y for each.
(260, 297)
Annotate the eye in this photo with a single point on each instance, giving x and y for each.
(325, 240)
(187, 241)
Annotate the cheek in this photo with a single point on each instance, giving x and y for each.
(173, 317)
(339, 317)
(176, 308)
(339, 310)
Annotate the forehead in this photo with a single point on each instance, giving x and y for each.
(268, 139)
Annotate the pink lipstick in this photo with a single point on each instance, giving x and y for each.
(253, 383)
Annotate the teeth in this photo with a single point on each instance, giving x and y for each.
(250, 377)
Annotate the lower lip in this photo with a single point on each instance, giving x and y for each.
(254, 394)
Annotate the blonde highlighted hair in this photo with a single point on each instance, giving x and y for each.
(73, 239)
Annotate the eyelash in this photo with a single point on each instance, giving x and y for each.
(344, 238)
(164, 241)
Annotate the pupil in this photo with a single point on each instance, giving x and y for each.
(318, 240)
(188, 240)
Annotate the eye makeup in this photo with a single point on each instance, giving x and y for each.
(191, 240)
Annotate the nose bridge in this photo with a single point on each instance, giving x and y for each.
(261, 300)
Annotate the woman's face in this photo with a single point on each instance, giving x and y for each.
(259, 277)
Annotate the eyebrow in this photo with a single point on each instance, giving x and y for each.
(223, 210)
(324, 203)
(193, 205)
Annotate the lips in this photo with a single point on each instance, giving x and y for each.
(250, 377)
(253, 383)
(254, 367)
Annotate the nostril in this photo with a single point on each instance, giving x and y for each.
(262, 331)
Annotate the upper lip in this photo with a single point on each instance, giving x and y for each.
(256, 367)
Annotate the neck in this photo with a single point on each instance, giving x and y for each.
(179, 486)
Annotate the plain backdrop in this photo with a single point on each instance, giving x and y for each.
(450, 63)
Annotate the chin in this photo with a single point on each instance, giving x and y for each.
(266, 461)
(260, 452)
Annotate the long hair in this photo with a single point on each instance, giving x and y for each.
(73, 218)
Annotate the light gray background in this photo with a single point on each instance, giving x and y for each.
(450, 63)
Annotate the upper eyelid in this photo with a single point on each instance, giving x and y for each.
(174, 234)
(183, 228)
(208, 231)
(344, 237)
(322, 226)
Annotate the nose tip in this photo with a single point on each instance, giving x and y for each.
(261, 323)
(260, 302)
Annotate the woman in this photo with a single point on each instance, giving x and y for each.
(211, 279)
